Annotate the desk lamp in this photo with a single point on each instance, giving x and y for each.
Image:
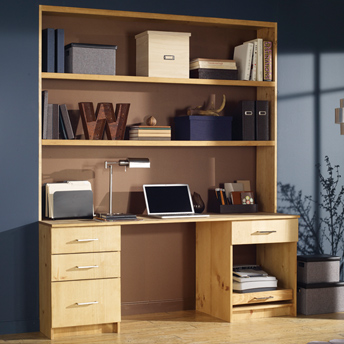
(339, 116)
(130, 163)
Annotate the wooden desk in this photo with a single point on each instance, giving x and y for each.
(80, 269)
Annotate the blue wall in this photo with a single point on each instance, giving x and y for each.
(311, 81)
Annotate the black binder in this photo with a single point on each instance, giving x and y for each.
(59, 51)
(262, 120)
(48, 50)
(244, 121)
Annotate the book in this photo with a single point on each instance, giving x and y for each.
(45, 118)
(153, 138)
(244, 127)
(59, 51)
(212, 73)
(48, 50)
(149, 127)
(156, 134)
(212, 64)
(253, 75)
(243, 58)
(262, 120)
(247, 197)
(259, 58)
(267, 54)
(66, 123)
(55, 121)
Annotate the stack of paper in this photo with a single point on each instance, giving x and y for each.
(249, 279)
(70, 199)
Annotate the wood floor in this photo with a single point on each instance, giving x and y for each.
(193, 327)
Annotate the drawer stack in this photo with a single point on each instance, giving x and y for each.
(79, 279)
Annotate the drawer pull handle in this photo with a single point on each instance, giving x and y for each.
(87, 303)
(265, 232)
(86, 240)
(87, 267)
(263, 298)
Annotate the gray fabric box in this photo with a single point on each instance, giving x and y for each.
(320, 298)
(90, 59)
(318, 268)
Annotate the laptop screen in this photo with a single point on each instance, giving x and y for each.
(168, 199)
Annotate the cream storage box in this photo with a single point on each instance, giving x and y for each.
(163, 54)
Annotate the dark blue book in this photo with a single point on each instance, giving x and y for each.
(59, 51)
(48, 50)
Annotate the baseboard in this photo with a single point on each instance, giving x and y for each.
(157, 306)
(23, 326)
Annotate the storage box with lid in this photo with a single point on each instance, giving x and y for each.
(203, 128)
(90, 59)
(320, 298)
(318, 268)
(163, 54)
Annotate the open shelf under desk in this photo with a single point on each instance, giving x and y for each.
(156, 80)
(172, 143)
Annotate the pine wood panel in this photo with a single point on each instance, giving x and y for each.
(87, 239)
(67, 295)
(66, 267)
(262, 297)
(214, 269)
(255, 232)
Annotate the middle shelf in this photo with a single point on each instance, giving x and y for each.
(132, 143)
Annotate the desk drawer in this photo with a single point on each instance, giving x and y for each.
(85, 239)
(85, 302)
(262, 297)
(66, 267)
(264, 231)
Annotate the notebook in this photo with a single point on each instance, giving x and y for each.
(169, 201)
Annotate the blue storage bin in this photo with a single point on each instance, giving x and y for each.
(203, 128)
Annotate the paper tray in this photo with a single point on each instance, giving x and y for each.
(73, 204)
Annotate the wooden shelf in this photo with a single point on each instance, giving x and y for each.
(155, 80)
(128, 143)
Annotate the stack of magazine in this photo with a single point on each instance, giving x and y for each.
(252, 278)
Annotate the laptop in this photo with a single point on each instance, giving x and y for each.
(168, 201)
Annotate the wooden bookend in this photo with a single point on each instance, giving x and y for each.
(106, 112)
(121, 113)
(88, 119)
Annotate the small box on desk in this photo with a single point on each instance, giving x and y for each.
(203, 128)
(163, 54)
(220, 74)
(318, 268)
(320, 298)
(90, 59)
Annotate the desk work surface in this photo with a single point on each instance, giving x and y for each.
(143, 219)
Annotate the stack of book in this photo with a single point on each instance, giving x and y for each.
(251, 279)
(150, 133)
(202, 68)
(254, 60)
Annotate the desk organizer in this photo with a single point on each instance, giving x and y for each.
(215, 207)
(203, 128)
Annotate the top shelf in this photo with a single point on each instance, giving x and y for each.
(155, 80)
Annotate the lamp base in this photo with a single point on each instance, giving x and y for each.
(116, 217)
